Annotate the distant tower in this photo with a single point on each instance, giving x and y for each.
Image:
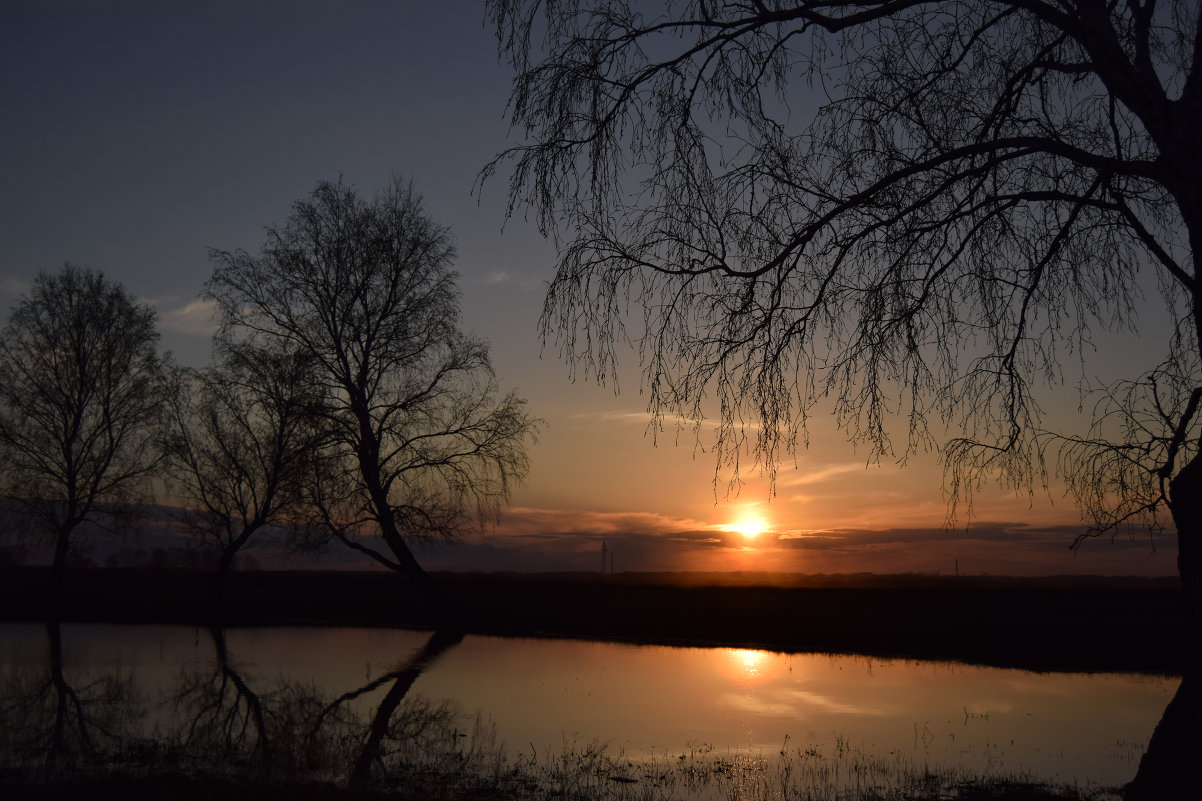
(604, 556)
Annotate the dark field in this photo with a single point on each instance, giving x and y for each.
(1068, 623)
(181, 789)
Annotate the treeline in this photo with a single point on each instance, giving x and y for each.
(344, 402)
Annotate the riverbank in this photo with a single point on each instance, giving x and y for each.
(1064, 623)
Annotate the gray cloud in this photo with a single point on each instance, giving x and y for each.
(1043, 538)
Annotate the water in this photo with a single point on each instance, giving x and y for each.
(647, 701)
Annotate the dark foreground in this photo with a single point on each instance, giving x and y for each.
(238, 741)
(1068, 623)
(192, 789)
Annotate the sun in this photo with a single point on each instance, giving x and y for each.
(750, 526)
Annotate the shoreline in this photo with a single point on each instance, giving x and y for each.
(1068, 623)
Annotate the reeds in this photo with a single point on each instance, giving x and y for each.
(474, 765)
(268, 744)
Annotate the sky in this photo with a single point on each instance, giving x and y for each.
(136, 135)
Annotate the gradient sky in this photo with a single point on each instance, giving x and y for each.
(134, 135)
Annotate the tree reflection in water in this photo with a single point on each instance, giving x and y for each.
(65, 723)
(218, 721)
(1170, 763)
(223, 720)
(55, 728)
(293, 730)
(418, 727)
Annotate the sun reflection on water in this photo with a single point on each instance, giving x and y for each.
(643, 699)
(748, 664)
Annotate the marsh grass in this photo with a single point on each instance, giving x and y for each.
(293, 742)
(435, 751)
(591, 774)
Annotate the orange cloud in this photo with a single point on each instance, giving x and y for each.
(533, 540)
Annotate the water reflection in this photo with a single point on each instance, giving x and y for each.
(748, 665)
(353, 705)
(385, 724)
(218, 716)
(221, 718)
(1169, 765)
(52, 724)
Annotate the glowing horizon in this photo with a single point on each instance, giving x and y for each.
(603, 467)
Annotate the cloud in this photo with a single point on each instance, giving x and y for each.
(608, 418)
(666, 422)
(575, 531)
(698, 538)
(557, 522)
(539, 539)
(817, 476)
(196, 317)
(505, 277)
(11, 285)
(531, 539)
(1028, 537)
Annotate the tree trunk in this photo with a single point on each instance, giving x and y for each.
(58, 569)
(447, 607)
(1185, 493)
(224, 564)
(1169, 766)
(386, 519)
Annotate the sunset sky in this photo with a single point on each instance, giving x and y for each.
(135, 135)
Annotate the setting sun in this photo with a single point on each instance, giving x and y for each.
(751, 526)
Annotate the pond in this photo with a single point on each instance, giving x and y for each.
(640, 702)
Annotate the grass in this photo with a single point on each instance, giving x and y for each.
(431, 751)
(580, 776)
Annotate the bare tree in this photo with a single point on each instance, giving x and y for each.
(80, 391)
(241, 440)
(422, 442)
(919, 212)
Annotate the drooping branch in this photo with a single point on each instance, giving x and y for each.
(910, 211)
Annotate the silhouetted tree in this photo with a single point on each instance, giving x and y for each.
(241, 440)
(420, 438)
(80, 391)
(916, 211)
